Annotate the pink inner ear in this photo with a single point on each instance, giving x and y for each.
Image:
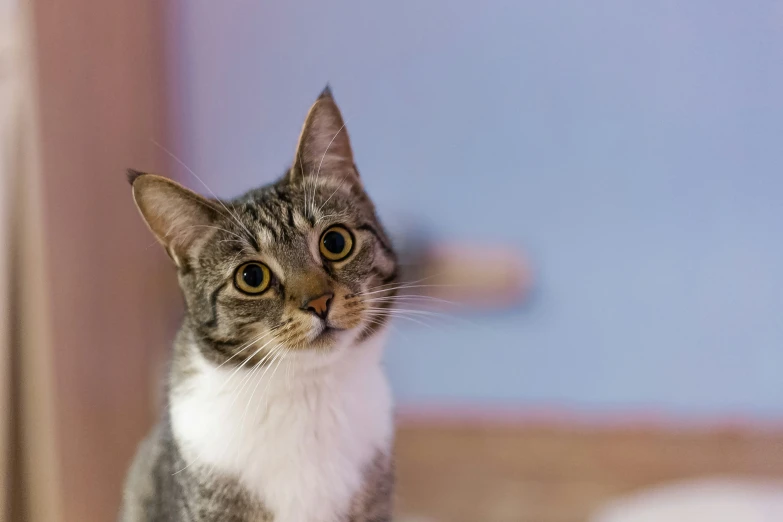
(324, 142)
(483, 277)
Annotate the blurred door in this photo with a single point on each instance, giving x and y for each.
(113, 301)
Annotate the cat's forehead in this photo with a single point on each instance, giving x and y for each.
(307, 204)
(285, 220)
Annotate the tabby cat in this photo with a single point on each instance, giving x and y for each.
(277, 408)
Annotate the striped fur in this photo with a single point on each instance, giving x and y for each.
(272, 414)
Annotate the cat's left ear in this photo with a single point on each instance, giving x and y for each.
(178, 217)
(324, 149)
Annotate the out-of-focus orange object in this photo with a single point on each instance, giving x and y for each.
(488, 277)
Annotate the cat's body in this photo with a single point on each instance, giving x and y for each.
(300, 431)
(315, 449)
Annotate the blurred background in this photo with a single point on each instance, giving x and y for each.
(621, 161)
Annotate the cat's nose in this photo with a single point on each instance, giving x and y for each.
(320, 305)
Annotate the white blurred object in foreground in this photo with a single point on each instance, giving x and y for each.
(710, 500)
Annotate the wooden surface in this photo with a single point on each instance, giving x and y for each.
(507, 474)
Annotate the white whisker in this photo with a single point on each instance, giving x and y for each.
(417, 281)
(175, 158)
(245, 362)
(242, 384)
(278, 351)
(240, 238)
(411, 319)
(406, 298)
(266, 397)
(246, 346)
(318, 172)
(330, 197)
(406, 287)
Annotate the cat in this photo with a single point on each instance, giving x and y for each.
(277, 406)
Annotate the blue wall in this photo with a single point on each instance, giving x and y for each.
(633, 149)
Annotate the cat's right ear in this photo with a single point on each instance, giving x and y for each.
(177, 216)
(324, 149)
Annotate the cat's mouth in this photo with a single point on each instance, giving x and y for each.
(329, 329)
(327, 334)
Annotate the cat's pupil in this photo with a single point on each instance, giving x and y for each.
(253, 276)
(334, 242)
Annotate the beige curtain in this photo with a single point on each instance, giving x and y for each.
(28, 460)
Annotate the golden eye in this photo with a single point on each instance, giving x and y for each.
(336, 243)
(252, 278)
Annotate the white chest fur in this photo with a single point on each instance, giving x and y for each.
(299, 440)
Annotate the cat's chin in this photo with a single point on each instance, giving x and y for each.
(333, 350)
(329, 343)
(329, 338)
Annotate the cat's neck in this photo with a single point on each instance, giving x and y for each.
(275, 431)
(281, 372)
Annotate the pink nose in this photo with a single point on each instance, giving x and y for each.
(320, 305)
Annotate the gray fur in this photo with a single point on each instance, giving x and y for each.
(208, 239)
(161, 487)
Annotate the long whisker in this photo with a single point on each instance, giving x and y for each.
(341, 214)
(396, 312)
(278, 351)
(331, 196)
(175, 158)
(394, 283)
(234, 259)
(374, 320)
(246, 346)
(413, 311)
(247, 380)
(288, 371)
(229, 411)
(318, 172)
(406, 298)
(243, 364)
(249, 376)
(409, 319)
(407, 287)
(302, 174)
(266, 397)
(240, 238)
(230, 241)
(242, 385)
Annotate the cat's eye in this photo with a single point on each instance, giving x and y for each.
(336, 243)
(252, 278)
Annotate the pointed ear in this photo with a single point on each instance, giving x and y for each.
(177, 216)
(324, 147)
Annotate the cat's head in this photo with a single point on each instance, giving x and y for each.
(300, 264)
